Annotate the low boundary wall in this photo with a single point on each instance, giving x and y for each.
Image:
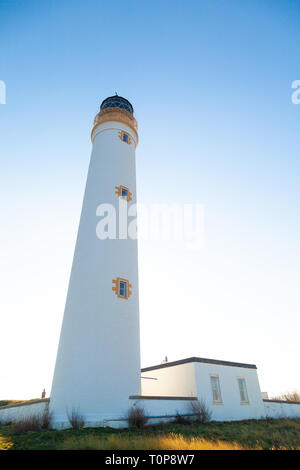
(17, 411)
(282, 409)
(158, 409)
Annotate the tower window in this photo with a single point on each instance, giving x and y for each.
(122, 288)
(125, 137)
(215, 387)
(123, 192)
(243, 390)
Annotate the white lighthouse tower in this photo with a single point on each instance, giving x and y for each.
(98, 359)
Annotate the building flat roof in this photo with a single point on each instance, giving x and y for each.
(199, 359)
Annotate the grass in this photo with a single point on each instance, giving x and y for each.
(169, 441)
(11, 402)
(263, 434)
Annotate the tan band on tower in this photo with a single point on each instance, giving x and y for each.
(116, 114)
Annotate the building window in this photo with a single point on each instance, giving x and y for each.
(125, 137)
(123, 192)
(122, 288)
(243, 390)
(215, 387)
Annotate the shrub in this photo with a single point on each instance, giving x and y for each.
(46, 419)
(200, 410)
(30, 423)
(76, 419)
(181, 419)
(288, 396)
(267, 418)
(136, 417)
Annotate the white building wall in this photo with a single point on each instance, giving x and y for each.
(193, 379)
(231, 407)
(173, 381)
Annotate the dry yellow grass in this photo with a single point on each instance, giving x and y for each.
(277, 434)
(168, 442)
(5, 443)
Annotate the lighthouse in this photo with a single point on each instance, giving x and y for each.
(98, 360)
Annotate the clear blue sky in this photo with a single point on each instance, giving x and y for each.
(210, 82)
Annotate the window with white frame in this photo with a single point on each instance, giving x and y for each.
(215, 387)
(243, 390)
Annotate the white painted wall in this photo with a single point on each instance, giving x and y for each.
(173, 381)
(231, 407)
(98, 359)
(162, 409)
(193, 379)
(277, 409)
(12, 413)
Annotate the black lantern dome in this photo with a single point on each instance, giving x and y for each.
(117, 102)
